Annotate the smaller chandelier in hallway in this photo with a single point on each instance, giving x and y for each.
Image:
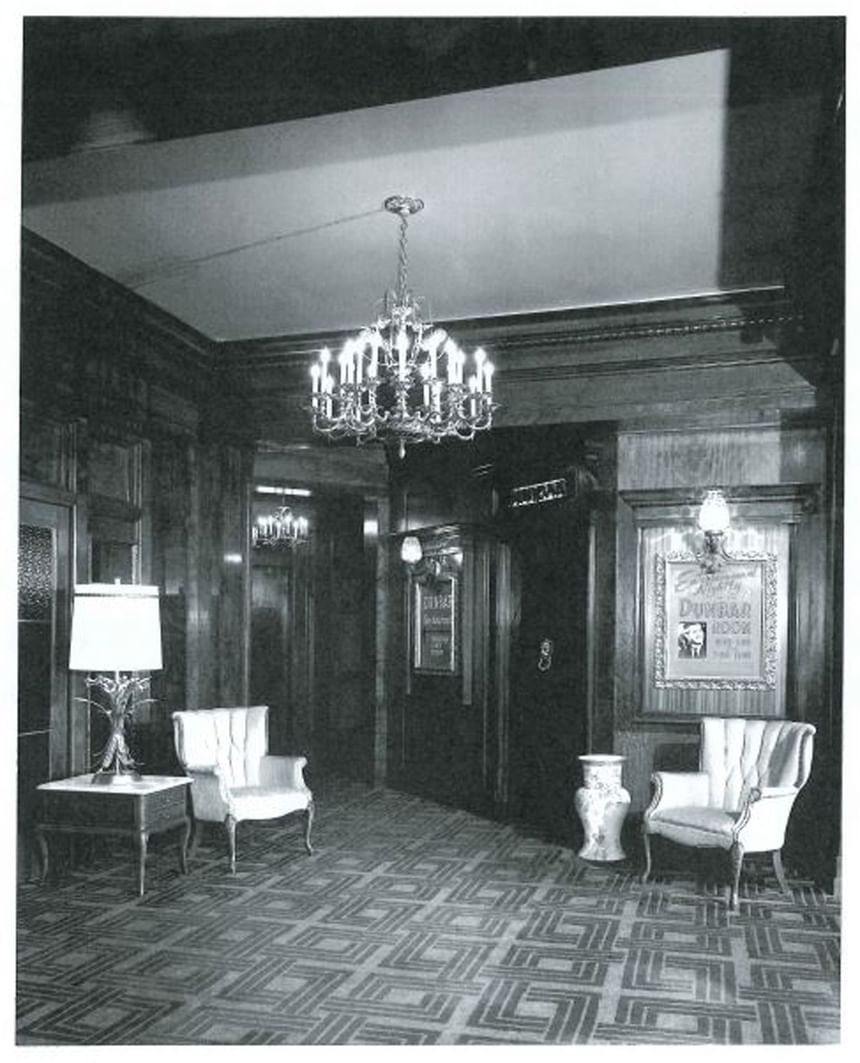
(279, 530)
(401, 378)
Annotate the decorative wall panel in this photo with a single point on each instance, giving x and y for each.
(693, 686)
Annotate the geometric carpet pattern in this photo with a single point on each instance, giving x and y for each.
(414, 923)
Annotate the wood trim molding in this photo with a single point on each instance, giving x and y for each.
(757, 313)
(653, 504)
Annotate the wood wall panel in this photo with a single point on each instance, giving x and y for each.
(377, 521)
(655, 750)
(776, 472)
(730, 457)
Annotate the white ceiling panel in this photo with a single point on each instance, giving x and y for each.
(597, 188)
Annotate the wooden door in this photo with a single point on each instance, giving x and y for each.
(44, 577)
(271, 631)
(549, 680)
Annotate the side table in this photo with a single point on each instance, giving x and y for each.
(130, 807)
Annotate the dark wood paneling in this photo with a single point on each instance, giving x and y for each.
(664, 474)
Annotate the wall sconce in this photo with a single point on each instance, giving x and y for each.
(444, 562)
(714, 521)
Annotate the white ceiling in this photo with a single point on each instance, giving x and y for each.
(597, 188)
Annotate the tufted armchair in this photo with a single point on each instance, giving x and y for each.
(225, 751)
(750, 773)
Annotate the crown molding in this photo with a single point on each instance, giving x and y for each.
(753, 322)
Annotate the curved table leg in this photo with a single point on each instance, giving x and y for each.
(183, 846)
(142, 839)
(42, 842)
(737, 858)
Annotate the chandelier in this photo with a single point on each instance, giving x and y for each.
(279, 530)
(401, 378)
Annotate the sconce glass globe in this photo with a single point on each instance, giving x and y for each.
(714, 514)
(410, 550)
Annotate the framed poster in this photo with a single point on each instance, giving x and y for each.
(716, 630)
(435, 625)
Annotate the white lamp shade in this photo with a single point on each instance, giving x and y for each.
(115, 628)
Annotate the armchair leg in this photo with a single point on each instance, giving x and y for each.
(230, 824)
(737, 857)
(196, 831)
(779, 872)
(646, 841)
(309, 819)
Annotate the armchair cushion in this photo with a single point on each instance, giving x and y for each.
(697, 825)
(265, 802)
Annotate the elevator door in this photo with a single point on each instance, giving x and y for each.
(549, 669)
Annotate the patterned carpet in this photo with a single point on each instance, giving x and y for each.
(415, 924)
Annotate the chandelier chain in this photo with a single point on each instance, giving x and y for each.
(403, 261)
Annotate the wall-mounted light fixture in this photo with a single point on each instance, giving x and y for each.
(714, 521)
(445, 559)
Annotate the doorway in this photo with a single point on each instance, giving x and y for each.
(549, 667)
(44, 576)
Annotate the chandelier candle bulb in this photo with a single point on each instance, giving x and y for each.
(315, 379)
(375, 341)
(480, 358)
(425, 376)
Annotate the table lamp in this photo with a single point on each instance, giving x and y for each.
(115, 629)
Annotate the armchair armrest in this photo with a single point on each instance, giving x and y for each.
(759, 793)
(210, 798)
(762, 820)
(283, 771)
(674, 789)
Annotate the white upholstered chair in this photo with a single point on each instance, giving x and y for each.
(234, 778)
(750, 773)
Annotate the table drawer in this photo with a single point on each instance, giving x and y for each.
(89, 810)
(163, 807)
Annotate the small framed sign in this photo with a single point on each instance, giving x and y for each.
(435, 625)
(716, 630)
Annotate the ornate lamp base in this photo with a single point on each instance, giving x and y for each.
(116, 762)
(106, 777)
